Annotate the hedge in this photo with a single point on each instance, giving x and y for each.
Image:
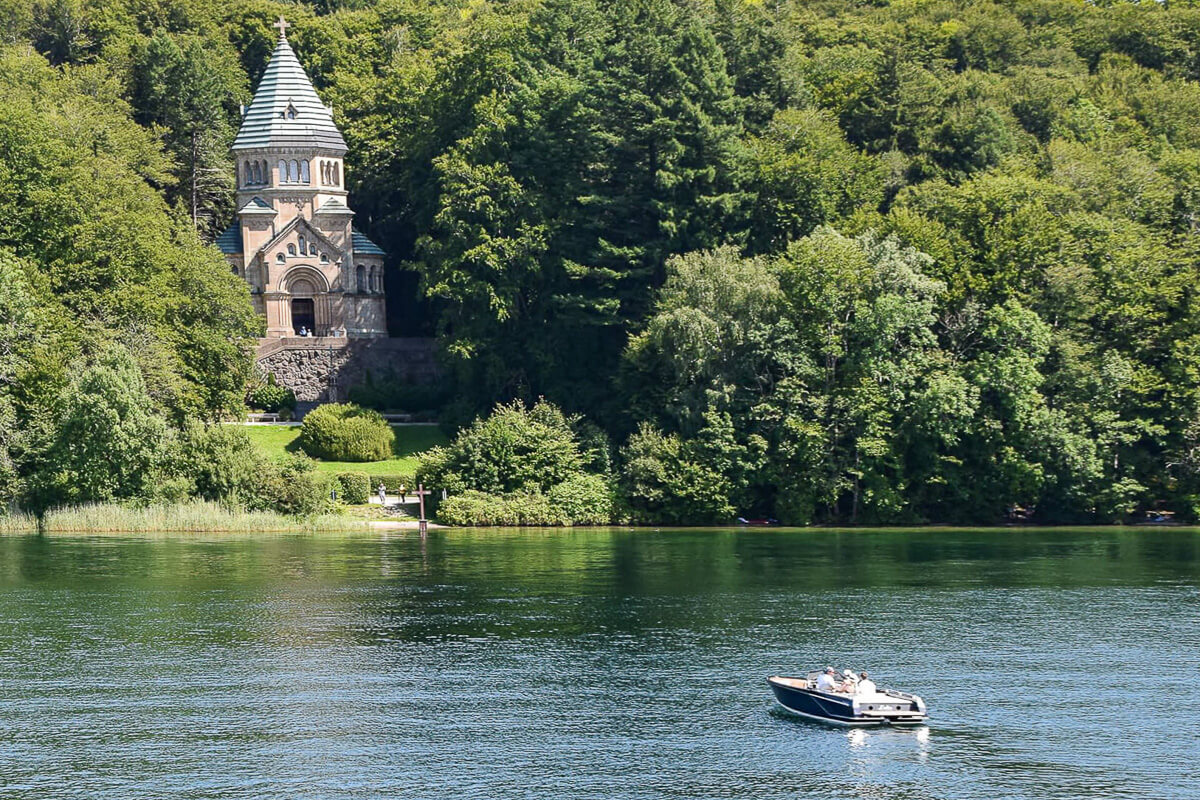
(346, 432)
(474, 508)
(393, 481)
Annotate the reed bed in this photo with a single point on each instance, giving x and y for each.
(17, 522)
(196, 517)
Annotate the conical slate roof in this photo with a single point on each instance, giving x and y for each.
(286, 111)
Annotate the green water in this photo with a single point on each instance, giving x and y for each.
(596, 664)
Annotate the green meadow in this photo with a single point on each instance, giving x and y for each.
(411, 442)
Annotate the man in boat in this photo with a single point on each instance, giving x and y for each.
(865, 684)
(826, 682)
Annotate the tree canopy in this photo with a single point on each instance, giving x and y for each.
(823, 261)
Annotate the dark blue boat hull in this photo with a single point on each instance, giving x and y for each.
(819, 706)
(879, 708)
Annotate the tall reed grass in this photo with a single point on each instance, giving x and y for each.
(17, 522)
(197, 517)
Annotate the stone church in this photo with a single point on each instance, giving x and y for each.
(294, 239)
(316, 280)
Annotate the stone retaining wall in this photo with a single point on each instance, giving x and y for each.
(321, 369)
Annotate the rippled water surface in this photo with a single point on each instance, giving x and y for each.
(597, 664)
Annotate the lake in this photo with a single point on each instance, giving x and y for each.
(597, 664)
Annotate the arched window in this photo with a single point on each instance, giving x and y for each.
(293, 171)
(324, 258)
(336, 176)
(312, 248)
(279, 258)
(291, 249)
(304, 172)
(324, 172)
(258, 172)
(291, 111)
(282, 171)
(247, 175)
(361, 274)
(303, 246)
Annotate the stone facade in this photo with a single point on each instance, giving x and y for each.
(322, 369)
(293, 240)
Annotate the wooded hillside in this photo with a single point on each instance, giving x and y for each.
(820, 261)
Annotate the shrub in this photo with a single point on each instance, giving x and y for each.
(296, 487)
(270, 396)
(346, 432)
(584, 500)
(356, 487)
(474, 508)
(223, 464)
(514, 450)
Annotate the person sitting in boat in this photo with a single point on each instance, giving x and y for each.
(849, 682)
(865, 684)
(826, 682)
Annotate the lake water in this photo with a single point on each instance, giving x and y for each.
(597, 664)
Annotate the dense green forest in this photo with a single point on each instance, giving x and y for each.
(826, 261)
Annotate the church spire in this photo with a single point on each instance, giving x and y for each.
(286, 111)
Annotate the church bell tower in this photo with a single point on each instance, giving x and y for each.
(310, 273)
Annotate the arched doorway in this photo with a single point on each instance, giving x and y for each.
(304, 315)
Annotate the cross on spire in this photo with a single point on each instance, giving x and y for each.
(283, 25)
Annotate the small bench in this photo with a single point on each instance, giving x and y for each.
(262, 416)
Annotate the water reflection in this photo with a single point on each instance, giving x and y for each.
(593, 664)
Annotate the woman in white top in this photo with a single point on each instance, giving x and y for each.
(865, 685)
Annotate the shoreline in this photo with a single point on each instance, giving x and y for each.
(341, 525)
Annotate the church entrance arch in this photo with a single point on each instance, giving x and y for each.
(304, 315)
(308, 304)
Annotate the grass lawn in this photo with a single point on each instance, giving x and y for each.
(411, 441)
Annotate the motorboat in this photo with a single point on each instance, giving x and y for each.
(880, 707)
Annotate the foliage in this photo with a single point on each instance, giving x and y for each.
(267, 395)
(828, 262)
(666, 480)
(515, 449)
(107, 443)
(394, 482)
(394, 394)
(356, 487)
(584, 500)
(78, 204)
(346, 432)
(480, 509)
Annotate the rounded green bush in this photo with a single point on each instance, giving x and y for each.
(346, 432)
(356, 487)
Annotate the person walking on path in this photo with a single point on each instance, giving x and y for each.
(382, 495)
(403, 494)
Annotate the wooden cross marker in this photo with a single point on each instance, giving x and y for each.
(422, 523)
(283, 25)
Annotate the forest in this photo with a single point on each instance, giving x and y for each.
(821, 262)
